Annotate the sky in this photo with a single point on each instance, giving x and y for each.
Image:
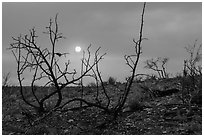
(169, 27)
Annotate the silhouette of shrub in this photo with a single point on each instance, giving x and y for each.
(111, 80)
(135, 101)
(197, 98)
(135, 105)
(92, 84)
(163, 93)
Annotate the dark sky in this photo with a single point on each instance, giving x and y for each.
(168, 26)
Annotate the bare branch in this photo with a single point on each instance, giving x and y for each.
(133, 66)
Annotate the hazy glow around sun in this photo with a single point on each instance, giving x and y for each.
(77, 49)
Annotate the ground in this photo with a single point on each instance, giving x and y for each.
(161, 115)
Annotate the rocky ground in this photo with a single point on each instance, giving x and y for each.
(158, 116)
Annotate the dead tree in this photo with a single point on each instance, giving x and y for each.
(192, 74)
(98, 78)
(96, 75)
(195, 56)
(131, 61)
(158, 65)
(163, 63)
(43, 64)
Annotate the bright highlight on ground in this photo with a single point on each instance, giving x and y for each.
(77, 49)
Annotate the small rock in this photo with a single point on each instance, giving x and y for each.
(70, 120)
(14, 96)
(7, 118)
(128, 124)
(66, 131)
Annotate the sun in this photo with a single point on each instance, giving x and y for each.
(77, 49)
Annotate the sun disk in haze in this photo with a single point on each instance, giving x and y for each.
(77, 49)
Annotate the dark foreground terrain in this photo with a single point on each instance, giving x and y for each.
(159, 115)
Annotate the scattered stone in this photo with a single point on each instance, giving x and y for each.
(70, 120)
